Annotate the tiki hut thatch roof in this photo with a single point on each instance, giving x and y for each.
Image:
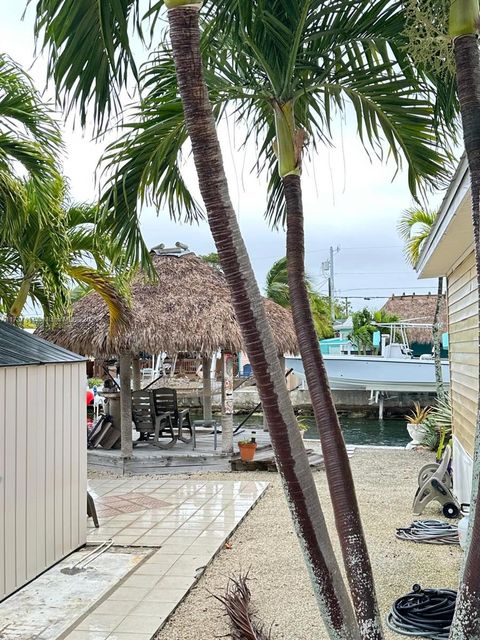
(417, 308)
(187, 309)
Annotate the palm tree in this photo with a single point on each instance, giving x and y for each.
(276, 288)
(330, 53)
(463, 26)
(285, 82)
(88, 79)
(414, 227)
(29, 142)
(426, 30)
(293, 65)
(45, 256)
(365, 324)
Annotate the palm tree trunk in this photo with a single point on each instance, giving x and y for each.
(437, 342)
(290, 454)
(207, 387)
(337, 466)
(126, 405)
(19, 302)
(137, 374)
(466, 623)
(227, 403)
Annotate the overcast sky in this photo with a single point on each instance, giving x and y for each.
(350, 202)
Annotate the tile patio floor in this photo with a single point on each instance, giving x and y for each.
(185, 522)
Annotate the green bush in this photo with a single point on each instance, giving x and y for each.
(95, 382)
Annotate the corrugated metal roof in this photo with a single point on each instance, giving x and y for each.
(18, 347)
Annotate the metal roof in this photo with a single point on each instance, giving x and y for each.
(18, 347)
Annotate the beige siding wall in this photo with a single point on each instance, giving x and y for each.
(463, 349)
(42, 468)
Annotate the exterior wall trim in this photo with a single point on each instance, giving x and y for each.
(456, 191)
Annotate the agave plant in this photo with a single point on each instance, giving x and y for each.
(439, 426)
(418, 415)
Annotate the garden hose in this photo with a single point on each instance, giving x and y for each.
(430, 532)
(426, 613)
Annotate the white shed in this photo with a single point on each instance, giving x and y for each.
(43, 470)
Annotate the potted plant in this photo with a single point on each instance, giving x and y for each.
(247, 449)
(416, 427)
(303, 427)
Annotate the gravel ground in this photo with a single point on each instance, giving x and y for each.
(266, 545)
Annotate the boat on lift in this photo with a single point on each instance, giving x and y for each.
(393, 369)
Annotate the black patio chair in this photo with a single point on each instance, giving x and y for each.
(149, 422)
(165, 400)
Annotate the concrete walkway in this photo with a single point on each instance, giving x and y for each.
(177, 527)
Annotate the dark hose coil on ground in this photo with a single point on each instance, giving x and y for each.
(427, 613)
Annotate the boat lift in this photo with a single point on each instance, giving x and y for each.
(395, 345)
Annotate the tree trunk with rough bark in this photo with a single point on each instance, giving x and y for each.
(227, 403)
(136, 374)
(126, 405)
(337, 465)
(207, 387)
(466, 623)
(290, 454)
(437, 342)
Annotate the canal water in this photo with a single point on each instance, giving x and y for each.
(366, 431)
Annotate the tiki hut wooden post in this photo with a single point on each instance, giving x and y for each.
(227, 402)
(126, 405)
(207, 387)
(137, 380)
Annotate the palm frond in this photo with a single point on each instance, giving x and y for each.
(22, 111)
(414, 227)
(89, 54)
(118, 308)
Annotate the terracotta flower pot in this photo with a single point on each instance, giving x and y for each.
(247, 451)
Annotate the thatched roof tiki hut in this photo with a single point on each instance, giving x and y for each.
(188, 308)
(418, 309)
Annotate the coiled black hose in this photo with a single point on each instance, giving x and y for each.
(427, 613)
(430, 532)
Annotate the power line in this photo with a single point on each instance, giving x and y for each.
(388, 289)
(372, 273)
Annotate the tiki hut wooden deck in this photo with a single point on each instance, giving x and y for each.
(186, 309)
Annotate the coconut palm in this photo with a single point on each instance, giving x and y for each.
(276, 288)
(92, 73)
(414, 227)
(47, 256)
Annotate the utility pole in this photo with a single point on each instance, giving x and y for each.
(332, 286)
(329, 272)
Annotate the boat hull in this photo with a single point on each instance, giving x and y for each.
(374, 373)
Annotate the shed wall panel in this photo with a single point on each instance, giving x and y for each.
(463, 350)
(9, 480)
(42, 468)
(3, 450)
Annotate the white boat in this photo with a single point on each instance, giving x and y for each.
(394, 369)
